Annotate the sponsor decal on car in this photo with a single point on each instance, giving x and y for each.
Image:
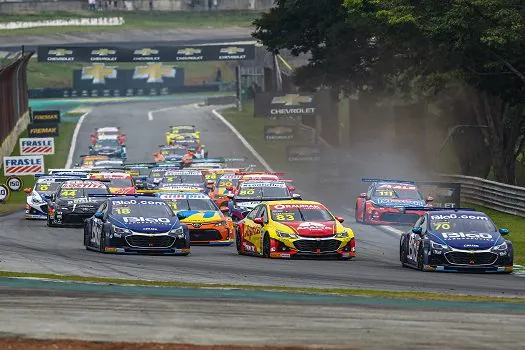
(145, 220)
(470, 236)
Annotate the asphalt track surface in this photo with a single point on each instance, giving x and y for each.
(30, 246)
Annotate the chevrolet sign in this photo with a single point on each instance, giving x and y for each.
(289, 105)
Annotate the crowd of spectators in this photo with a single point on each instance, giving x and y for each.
(102, 5)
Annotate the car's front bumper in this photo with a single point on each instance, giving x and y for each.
(329, 247)
(468, 261)
(209, 234)
(35, 211)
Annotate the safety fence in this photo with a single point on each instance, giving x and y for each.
(495, 195)
(14, 108)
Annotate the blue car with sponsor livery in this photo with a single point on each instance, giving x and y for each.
(456, 240)
(136, 224)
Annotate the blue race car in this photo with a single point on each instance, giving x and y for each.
(108, 147)
(136, 224)
(456, 240)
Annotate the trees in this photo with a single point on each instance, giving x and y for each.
(416, 48)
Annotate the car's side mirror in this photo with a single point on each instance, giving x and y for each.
(429, 199)
(225, 210)
(229, 188)
(99, 215)
(181, 216)
(504, 231)
(90, 147)
(28, 190)
(362, 195)
(296, 196)
(259, 221)
(123, 145)
(417, 230)
(340, 219)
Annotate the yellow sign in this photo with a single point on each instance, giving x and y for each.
(103, 52)
(189, 51)
(99, 73)
(154, 72)
(232, 50)
(60, 52)
(146, 52)
(292, 100)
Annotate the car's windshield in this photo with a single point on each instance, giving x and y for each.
(183, 129)
(223, 183)
(77, 192)
(141, 209)
(120, 183)
(173, 152)
(46, 186)
(263, 190)
(297, 213)
(466, 223)
(192, 204)
(183, 179)
(397, 192)
(157, 173)
(106, 143)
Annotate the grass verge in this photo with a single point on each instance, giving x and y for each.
(17, 200)
(140, 20)
(515, 224)
(319, 291)
(60, 75)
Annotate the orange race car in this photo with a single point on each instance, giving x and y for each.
(118, 183)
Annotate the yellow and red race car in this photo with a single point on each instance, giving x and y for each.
(118, 183)
(182, 132)
(89, 161)
(289, 228)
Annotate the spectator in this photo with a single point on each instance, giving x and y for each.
(218, 75)
(91, 5)
(151, 5)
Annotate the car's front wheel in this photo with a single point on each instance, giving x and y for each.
(102, 244)
(238, 240)
(420, 258)
(266, 246)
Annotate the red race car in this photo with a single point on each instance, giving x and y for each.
(389, 201)
(109, 132)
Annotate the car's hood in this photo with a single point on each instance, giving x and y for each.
(468, 240)
(398, 202)
(248, 205)
(311, 228)
(200, 216)
(143, 224)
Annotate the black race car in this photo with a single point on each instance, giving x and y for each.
(108, 147)
(136, 224)
(73, 202)
(456, 240)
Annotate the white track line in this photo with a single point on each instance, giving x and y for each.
(243, 140)
(74, 140)
(391, 229)
(150, 113)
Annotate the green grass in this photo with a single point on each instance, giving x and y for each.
(141, 20)
(58, 160)
(515, 224)
(318, 291)
(60, 75)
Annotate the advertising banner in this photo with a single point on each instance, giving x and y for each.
(130, 53)
(445, 194)
(275, 104)
(279, 132)
(45, 117)
(23, 165)
(37, 146)
(42, 130)
(303, 153)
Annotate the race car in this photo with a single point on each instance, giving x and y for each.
(118, 183)
(107, 163)
(170, 153)
(206, 222)
(181, 132)
(180, 187)
(133, 224)
(456, 240)
(252, 193)
(87, 162)
(45, 186)
(111, 148)
(184, 177)
(389, 201)
(290, 228)
(110, 132)
(220, 191)
(73, 202)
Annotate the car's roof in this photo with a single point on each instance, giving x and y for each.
(108, 129)
(457, 212)
(295, 202)
(127, 198)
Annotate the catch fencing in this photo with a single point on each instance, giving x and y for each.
(14, 101)
(495, 195)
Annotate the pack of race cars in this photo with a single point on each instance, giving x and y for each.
(183, 198)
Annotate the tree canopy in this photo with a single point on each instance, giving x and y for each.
(415, 48)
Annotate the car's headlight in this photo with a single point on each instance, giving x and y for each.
(438, 246)
(36, 198)
(179, 232)
(286, 234)
(503, 246)
(343, 234)
(222, 223)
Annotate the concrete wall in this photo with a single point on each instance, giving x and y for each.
(9, 144)
(38, 6)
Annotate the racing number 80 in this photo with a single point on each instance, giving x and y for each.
(244, 192)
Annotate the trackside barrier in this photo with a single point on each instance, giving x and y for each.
(14, 114)
(491, 194)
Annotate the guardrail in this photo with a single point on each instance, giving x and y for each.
(491, 194)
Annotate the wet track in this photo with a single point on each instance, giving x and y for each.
(32, 246)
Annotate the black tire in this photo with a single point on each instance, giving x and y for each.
(50, 222)
(403, 254)
(266, 246)
(420, 258)
(86, 237)
(102, 246)
(238, 243)
(355, 214)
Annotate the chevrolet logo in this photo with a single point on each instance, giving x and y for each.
(291, 100)
(189, 51)
(232, 50)
(154, 72)
(103, 52)
(197, 225)
(98, 72)
(60, 52)
(146, 52)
